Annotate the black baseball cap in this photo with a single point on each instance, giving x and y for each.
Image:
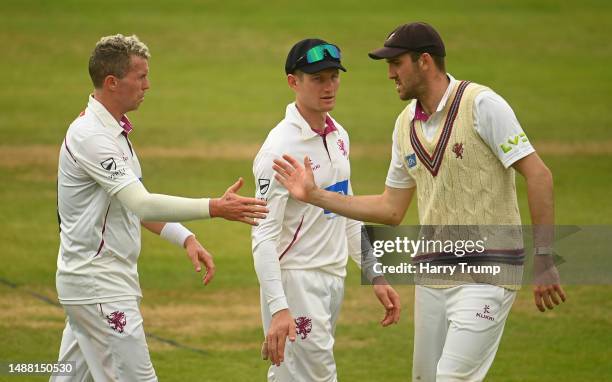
(414, 37)
(296, 59)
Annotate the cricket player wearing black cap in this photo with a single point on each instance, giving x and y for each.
(456, 146)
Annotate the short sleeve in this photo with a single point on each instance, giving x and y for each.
(497, 125)
(101, 158)
(276, 196)
(398, 176)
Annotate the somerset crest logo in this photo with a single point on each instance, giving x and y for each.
(109, 164)
(117, 321)
(303, 326)
(341, 147)
(458, 150)
(264, 185)
(485, 313)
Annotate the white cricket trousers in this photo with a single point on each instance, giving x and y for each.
(107, 342)
(457, 331)
(314, 298)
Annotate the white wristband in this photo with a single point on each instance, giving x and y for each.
(175, 233)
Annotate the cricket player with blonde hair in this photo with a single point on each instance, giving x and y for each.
(101, 205)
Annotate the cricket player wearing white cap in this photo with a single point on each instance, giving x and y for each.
(457, 145)
(101, 205)
(300, 251)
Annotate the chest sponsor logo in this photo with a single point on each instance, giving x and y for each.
(264, 185)
(512, 142)
(109, 164)
(411, 160)
(341, 188)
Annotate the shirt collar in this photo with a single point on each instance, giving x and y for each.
(419, 113)
(329, 127)
(293, 115)
(124, 126)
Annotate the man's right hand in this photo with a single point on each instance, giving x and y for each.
(232, 206)
(297, 179)
(281, 327)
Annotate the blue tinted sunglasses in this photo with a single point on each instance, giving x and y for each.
(318, 53)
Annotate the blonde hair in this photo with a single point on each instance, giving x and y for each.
(111, 56)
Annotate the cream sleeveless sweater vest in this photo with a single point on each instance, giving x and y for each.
(461, 182)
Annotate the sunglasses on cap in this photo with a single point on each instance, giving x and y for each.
(317, 53)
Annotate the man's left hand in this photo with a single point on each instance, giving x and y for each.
(199, 255)
(547, 288)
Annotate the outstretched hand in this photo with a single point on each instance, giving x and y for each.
(298, 179)
(232, 206)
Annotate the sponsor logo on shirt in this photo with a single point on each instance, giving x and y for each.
(512, 142)
(411, 160)
(314, 166)
(109, 164)
(264, 185)
(341, 188)
(117, 174)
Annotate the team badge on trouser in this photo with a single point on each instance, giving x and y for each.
(107, 342)
(315, 309)
(457, 331)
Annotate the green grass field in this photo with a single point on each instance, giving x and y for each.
(217, 88)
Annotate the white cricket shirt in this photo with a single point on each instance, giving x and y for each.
(99, 237)
(494, 120)
(297, 235)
